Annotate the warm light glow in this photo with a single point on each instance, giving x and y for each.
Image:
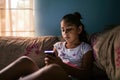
(19, 19)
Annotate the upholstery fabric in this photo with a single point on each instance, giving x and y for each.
(107, 52)
(13, 47)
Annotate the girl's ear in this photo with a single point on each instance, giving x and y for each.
(80, 29)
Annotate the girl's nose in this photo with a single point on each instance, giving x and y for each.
(66, 31)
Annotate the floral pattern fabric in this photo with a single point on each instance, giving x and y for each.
(72, 56)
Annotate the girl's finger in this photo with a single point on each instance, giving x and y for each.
(50, 57)
(48, 61)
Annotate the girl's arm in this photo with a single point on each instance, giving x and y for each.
(82, 72)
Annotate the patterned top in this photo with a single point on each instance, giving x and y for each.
(72, 56)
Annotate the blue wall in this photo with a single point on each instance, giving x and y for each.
(96, 14)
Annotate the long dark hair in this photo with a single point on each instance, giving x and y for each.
(75, 18)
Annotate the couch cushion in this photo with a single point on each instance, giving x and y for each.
(107, 50)
(13, 47)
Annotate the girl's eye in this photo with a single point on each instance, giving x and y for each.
(62, 30)
(69, 29)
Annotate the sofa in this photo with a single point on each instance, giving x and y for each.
(106, 50)
(12, 48)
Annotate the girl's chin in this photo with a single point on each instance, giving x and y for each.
(67, 40)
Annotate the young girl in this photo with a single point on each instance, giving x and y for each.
(73, 57)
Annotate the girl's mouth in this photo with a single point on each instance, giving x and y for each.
(67, 37)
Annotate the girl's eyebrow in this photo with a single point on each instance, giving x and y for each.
(69, 27)
(66, 27)
(62, 27)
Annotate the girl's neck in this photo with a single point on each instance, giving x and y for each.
(72, 45)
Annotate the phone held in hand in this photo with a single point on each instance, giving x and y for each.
(49, 52)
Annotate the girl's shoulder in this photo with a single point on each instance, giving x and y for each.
(59, 43)
(85, 44)
(85, 47)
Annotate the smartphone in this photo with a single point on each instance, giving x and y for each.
(49, 52)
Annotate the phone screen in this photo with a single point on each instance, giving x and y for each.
(50, 52)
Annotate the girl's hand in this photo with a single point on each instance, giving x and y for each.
(51, 59)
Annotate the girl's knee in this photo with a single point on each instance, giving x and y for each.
(54, 66)
(25, 60)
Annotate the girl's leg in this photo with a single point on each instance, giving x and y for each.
(20, 67)
(49, 72)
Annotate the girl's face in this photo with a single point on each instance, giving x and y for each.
(70, 32)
